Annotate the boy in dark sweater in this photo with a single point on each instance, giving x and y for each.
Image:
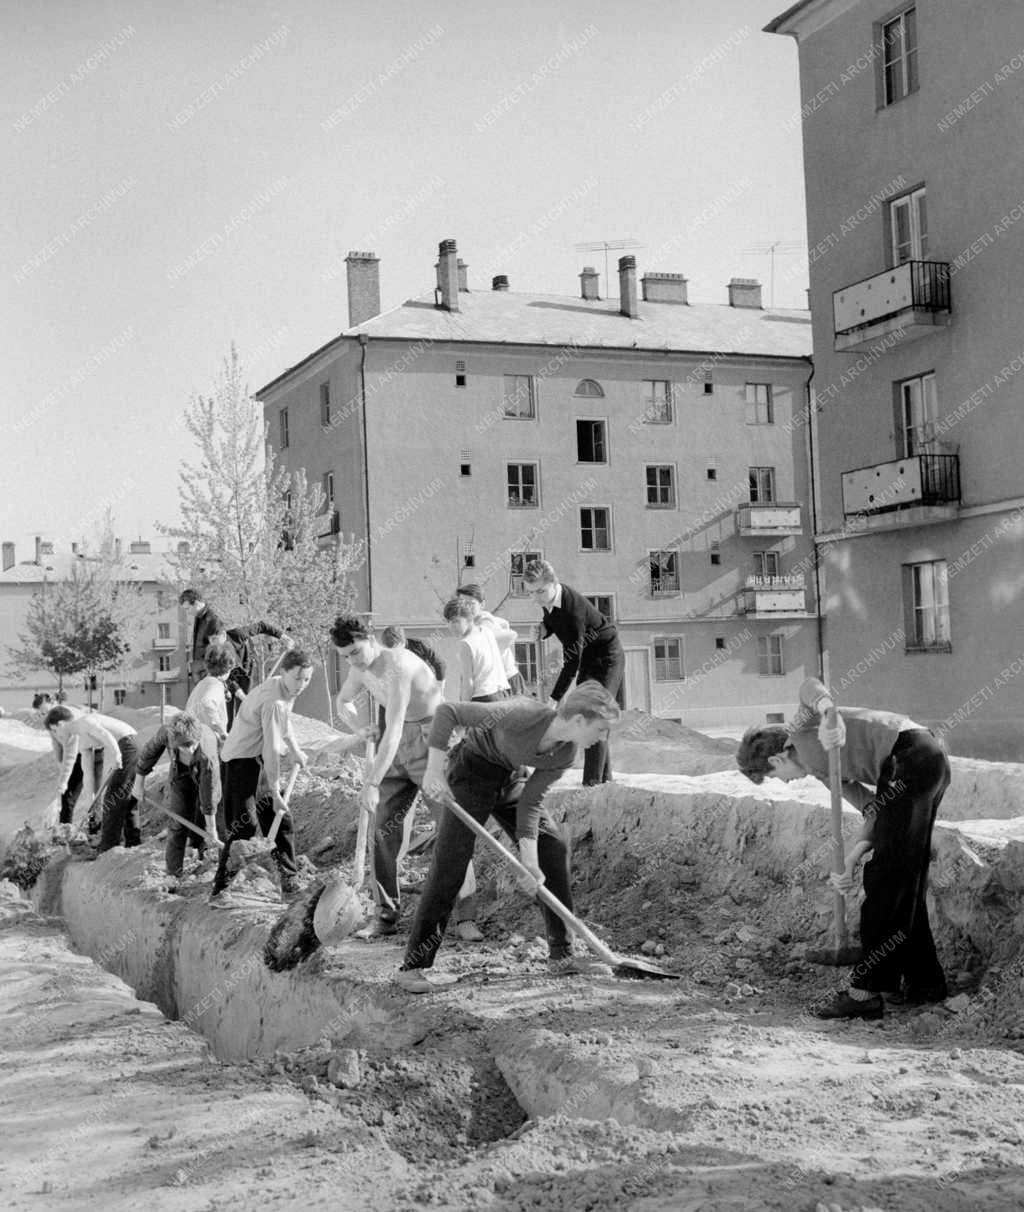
(590, 649)
(502, 737)
(909, 771)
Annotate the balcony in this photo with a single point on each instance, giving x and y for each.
(916, 491)
(912, 299)
(664, 586)
(166, 675)
(774, 597)
(757, 518)
(165, 644)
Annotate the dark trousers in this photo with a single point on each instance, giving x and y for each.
(479, 787)
(69, 798)
(607, 666)
(182, 798)
(398, 790)
(894, 931)
(243, 812)
(120, 807)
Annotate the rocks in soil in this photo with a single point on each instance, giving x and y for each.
(343, 1069)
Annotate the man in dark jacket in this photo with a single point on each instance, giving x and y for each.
(590, 650)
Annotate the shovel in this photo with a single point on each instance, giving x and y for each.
(275, 824)
(634, 969)
(359, 864)
(181, 820)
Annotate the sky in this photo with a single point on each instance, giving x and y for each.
(186, 176)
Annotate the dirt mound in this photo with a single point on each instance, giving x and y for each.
(21, 741)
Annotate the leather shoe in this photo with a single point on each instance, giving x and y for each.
(833, 957)
(378, 928)
(844, 1006)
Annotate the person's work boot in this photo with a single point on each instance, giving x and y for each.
(469, 932)
(577, 965)
(379, 928)
(422, 980)
(289, 884)
(845, 1006)
(833, 957)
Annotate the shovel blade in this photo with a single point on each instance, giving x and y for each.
(641, 970)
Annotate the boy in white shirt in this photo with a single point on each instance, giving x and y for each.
(113, 742)
(481, 669)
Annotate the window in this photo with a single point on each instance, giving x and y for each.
(908, 227)
(604, 602)
(661, 486)
(469, 560)
(589, 389)
(327, 484)
(465, 469)
(590, 444)
(283, 420)
(712, 473)
(163, 664)
(163, 631)
(522, 485)
(916, 413)
(526, 661)
(664, 572)
(460, 374)
(595, 529)
(325, 404)
(762, 485)
(668, 660)
(519, 400)
(709, 383)
(715, 552)
(465, 463)
(719, 641)
(759, 410)
(926, 606)
(517, 566)
(899, 57)
(657, 399)
(766, 563)
(119, 697)
(769, 656)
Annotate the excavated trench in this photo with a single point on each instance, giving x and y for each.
(659, 861)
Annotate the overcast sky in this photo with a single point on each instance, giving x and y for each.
(181, 176)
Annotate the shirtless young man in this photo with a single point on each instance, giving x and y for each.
(410, 694)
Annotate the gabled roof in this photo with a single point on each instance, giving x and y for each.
(57, 567)
(501, 317)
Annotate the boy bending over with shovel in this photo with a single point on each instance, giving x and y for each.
(102, 742)
(501, 737)
(908, 768)
(260, 735)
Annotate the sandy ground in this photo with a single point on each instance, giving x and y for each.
(716, 1091)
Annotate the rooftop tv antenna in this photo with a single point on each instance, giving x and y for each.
(607, 246)
(770, 247)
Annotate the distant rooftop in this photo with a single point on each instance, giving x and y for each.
(511, 318)
(58, 565)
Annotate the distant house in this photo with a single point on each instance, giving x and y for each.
(652, 449)
(153, 673)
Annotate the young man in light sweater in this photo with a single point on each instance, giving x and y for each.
(107, 743)
(907, 767)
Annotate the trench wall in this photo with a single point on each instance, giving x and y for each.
(205, 966)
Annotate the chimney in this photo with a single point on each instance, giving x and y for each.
(745, 292)
(39, 544)
(588, 283)
(363, 270)
(117, 549)
(463, 275)
(628, 303)
(139, 547)
(46, 548)
(664, 288)
(499, 282)
(8, 556)
(448, 274)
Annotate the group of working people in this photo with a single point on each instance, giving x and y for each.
(511, 751)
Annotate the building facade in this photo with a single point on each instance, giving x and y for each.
(652, 450)
(915, 196)
(153, 673)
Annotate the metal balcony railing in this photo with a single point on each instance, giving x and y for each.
(903, 291)
(920, 479)
(792, 580)
(665, 584)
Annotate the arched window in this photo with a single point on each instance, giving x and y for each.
(589, 388)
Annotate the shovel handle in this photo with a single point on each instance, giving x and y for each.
(835, 786)
(275, 824)
(545, 896)
(362, 833)
(181, 820)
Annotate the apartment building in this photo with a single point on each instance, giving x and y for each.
(652, 449)
(915, 196)
(154, 672)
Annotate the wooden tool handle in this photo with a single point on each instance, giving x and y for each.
(835, 786)
(275, 824)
